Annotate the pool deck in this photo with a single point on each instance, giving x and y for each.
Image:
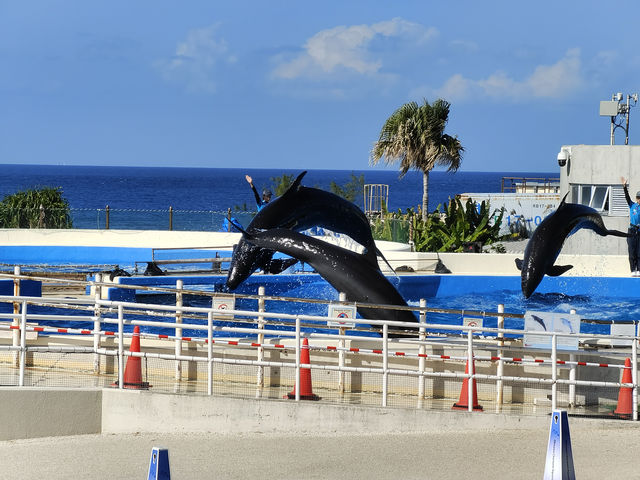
(214, 437)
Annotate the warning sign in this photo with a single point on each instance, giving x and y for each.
(220, 304)
(340, 315)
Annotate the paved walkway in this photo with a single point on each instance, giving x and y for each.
(609, 452)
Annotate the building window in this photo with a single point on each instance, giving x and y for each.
(606, 199)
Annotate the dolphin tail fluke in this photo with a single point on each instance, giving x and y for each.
(519, 263)
(558, 270)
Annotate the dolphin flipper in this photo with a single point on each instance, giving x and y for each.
(557, 270)
(519, 263)
(279, 265)
(617, 233)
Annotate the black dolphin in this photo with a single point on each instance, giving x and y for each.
(346, 271)
(300, 208)
(546, 242)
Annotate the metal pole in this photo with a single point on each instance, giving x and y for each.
(554, 371)
(107, 217)
(634, 378)
(16, 310)
(422, 335)
(626, 130)
(210, 353)
(342, 297)
(120, 347)
(472, 369)
(97, 324)
(572, 374)
(500, 370)
(261, 322)
(170, 218)
(385, 363)
(178, 341)
(297, 359)
(23, 343)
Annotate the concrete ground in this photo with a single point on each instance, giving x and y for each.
(598, 453)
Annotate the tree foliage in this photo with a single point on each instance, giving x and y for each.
(414, 137)
(22, 209)
(281, 184)
(351, 190)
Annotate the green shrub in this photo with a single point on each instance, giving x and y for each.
(22, 209)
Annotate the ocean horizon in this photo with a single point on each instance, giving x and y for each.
(147, 193)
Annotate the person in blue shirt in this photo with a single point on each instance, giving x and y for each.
(230, 226)
(266, 194)
(633, 241)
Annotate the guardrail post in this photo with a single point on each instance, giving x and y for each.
(120, 347)
(16, 310)
(178, 341)
(572, 374)
(210, 352)
(342, 297)
(422, 335)
(106, 217)
(170, 218)
(554, 372)
(97, 323)
(260, 373)
(23, 343)
(385, 363)
(500, 369)
(298, 359)
(634, 378)
(472, 370)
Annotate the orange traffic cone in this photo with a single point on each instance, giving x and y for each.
(306, 391)
(463, 402)
(625, 403)
(133, 369)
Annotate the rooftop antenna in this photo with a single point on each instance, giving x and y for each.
(613, 109)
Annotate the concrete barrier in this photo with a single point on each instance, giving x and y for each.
(35, 412)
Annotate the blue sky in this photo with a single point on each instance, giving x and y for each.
(306, 84)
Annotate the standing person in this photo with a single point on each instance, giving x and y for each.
(633, 241)
(266, 194)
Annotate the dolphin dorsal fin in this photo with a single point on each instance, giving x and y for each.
(295, 185)
(563, 202)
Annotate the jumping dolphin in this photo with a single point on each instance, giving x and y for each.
(546, 242)
(346, 271)
(300, 208)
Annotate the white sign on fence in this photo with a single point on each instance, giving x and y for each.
(472, 322)
(220, 304)
(342, 312)
(622, 329)
(550, 322)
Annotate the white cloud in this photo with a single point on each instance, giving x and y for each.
(546, 81)
(195, 59)
(347, 49)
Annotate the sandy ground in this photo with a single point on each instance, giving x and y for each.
(612, 452)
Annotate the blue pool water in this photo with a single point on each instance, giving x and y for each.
(598, 300)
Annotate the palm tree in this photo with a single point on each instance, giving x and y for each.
(414, 136)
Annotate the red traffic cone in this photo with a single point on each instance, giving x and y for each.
(463, 402)
(625, 403)
(133, 369)
(306, 391)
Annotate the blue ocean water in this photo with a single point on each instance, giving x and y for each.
(140, 197)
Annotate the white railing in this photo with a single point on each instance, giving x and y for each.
(235, 330)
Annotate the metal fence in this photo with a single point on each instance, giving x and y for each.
(89, 341)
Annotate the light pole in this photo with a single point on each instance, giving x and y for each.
(614, 108)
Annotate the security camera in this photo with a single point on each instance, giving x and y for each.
(563, 156)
